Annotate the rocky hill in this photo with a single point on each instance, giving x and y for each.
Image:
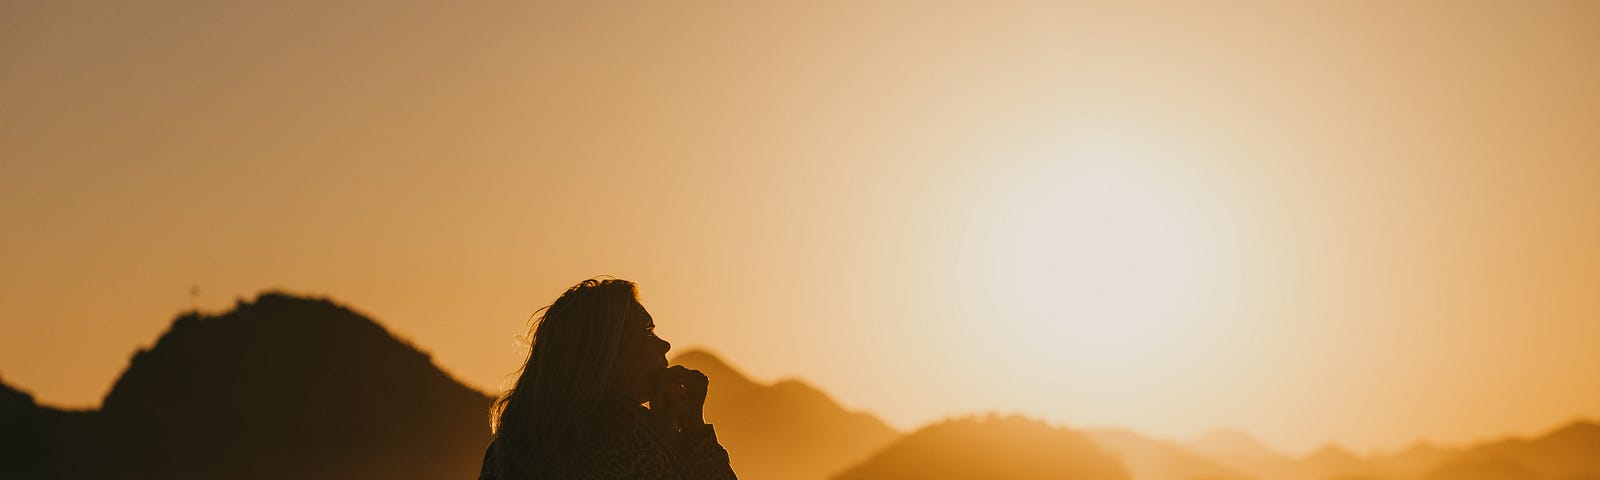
(279, 387)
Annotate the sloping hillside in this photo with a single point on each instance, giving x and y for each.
(991, 447)
(280, 387)
(783, 431)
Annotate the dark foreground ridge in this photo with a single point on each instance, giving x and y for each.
(281, 387)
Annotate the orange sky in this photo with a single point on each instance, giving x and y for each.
(1361, 223)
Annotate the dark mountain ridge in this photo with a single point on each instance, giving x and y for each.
(279, 387)
(21, 430)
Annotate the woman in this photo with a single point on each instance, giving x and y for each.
(576, 409)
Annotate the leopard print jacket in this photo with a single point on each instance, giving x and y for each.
(632, 449)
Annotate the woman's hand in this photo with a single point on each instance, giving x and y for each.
(679, 401)
(666, 405)
(693, 385)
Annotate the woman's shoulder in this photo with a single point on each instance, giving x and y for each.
(616, 411)
(490, 468)
(622, 443)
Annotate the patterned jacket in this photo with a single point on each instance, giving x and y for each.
(630, 448)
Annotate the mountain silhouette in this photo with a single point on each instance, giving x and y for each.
(784, 431)
(1240, 452)
(281, 387)
(1484, 468)
(1243, 453)
(1011, 447)
(1146, 458)
(1411, 462)
(1571, 452)
(22, 454)
(294, 387)
(1333, 461)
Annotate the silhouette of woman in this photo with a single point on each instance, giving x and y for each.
(576, 410)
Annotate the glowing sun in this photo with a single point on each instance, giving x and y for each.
(1099, 264)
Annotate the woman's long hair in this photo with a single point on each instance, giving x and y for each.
(572, 345)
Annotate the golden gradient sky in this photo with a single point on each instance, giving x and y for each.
(1365, 223)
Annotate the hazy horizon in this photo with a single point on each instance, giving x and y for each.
(1359, 223)
(733, 363)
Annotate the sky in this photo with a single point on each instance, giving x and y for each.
(1367, 223)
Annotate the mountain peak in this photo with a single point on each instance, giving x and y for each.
(993, 446)
(711, 365)
(275, 310)
(1147, 458)
(1578, 433)
(1581, 426)
(275, 378)
(278, 340)
(788, 430)
(701, 356)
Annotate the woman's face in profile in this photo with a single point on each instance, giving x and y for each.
(641, 357)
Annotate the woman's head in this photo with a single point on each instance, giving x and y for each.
(595, 337)
(641, 357)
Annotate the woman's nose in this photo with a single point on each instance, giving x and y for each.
(665, 346)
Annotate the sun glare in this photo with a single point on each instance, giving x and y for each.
(1101, 263)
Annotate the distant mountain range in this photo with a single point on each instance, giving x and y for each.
(1571, 452)
(1150, 459)
(1010, 447)
(293, 387)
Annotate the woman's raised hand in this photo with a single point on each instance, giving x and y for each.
(666, 405)
(694, 385)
